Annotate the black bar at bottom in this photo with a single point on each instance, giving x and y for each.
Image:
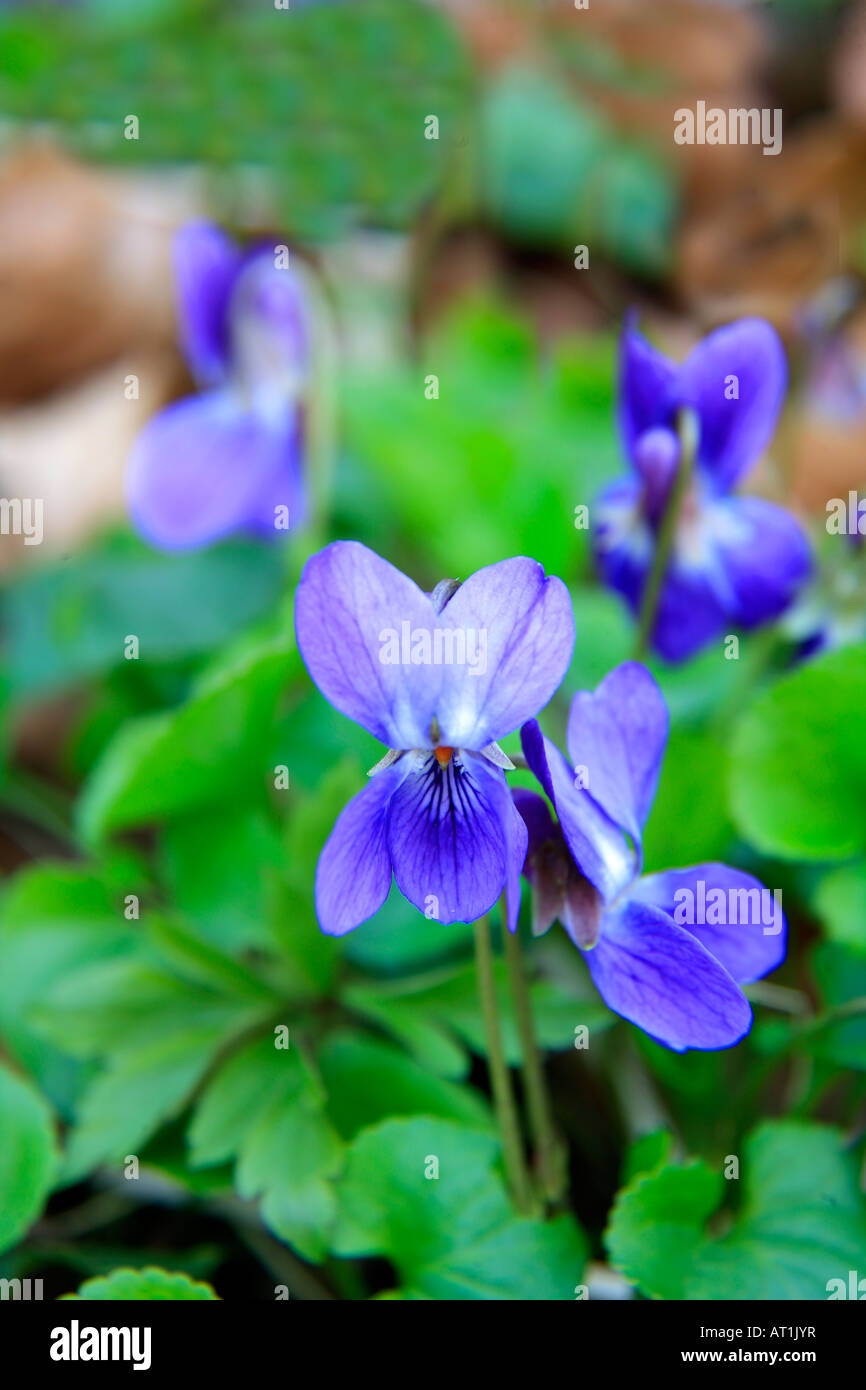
(83, 1339)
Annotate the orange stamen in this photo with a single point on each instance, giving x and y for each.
(443, 756)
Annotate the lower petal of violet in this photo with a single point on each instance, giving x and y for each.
(765, 557)
(659, 976)
(206, 264)
(203, 468)
(353, 875)
(451, 837)
(746, 931)
(287, 490)
(690, 613)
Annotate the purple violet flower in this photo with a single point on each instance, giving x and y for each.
(436, 812)
(667, 951)
(736, 561)
(228, 459)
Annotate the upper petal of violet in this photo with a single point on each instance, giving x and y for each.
(270, 331)
(618, 735)
(352, 612)
(647, 383)
(206, 263)
(525, 621)
(735, 380)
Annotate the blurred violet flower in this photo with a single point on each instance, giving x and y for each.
(831, 612)
(834, 388)
(436, 812)
(734, 560)
(667, 951)
(230, 458)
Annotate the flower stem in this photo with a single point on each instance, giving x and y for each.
(549, 1148)
(500, 1079)
(687, 431)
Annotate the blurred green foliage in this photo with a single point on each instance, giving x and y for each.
(557, 174)
(497, 464)
(328, 101)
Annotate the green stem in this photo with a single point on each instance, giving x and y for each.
(549, 1148)
(500, 1079)
(666, 534)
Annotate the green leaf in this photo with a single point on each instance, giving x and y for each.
(656, 1228)
(427, 1195)
(235, 1098)
(840, 901)
(27, 1156)
(265, 1109)
(220, 866)
(143, 1285)
(155, 1036)
(308, 958)
(54, 919)
(798, 764)
(115, 1006)
(368, 1080)
(801, 1222)
(289, 1159)
(212, 748)
(647, 1153)
(139, 1091)
(194, 957)
(430, 1042)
